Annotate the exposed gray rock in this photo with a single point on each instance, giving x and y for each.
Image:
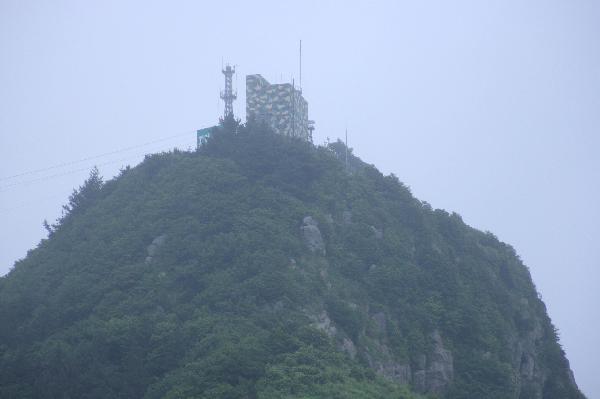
(440, 372)
(378, 233)
(531, 374)
(348, 347)
(153, 247)
(160, 240)
(325, 278)
(397, 372)
(380, 358)
(435, 372)
(530, 378)
(312, 235)
(309, 221)
(324, 323)
(527, 366)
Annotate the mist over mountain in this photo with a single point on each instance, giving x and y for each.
(262, 266)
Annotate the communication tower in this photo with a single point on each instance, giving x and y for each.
(228, 95)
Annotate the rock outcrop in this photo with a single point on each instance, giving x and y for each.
(324, 323)
(377, 232)
(153, 247)
(435, 371)
(430, 373)
(312, 235)
(381, 360)
(530, 377)
(348, 347)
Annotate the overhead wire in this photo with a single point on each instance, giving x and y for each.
(69, 163)
(87, 168)
(36, 202)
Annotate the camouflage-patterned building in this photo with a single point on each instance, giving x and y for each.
(280, 106)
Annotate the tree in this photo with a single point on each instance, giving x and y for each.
(82, 197)
(229, 124)
(48, 227)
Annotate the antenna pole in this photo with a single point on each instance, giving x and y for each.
(300, 65)
(346, 149)
(293, 108)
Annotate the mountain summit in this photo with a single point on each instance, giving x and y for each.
(261, 266)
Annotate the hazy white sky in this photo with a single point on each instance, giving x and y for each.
(490, 109)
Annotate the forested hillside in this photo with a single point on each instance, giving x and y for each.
(262, 267)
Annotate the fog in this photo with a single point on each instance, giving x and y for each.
(489, 109)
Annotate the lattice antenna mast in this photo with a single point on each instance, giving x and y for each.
(228, 95)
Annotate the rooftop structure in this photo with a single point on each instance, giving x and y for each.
(280, 106)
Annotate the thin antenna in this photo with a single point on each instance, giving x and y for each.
(293, 108)
(300, 64)
(346, 149)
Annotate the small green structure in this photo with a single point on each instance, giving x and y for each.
(202, 135)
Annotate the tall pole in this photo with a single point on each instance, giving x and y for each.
(300, 65)
(346, 149)
(293, 108)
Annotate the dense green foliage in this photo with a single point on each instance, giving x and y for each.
(226, 306)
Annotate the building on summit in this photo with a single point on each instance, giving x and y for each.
(280, 106)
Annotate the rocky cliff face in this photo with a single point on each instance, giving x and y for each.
(436, 370)
(312, 235)
(432, 371)
(532, 374)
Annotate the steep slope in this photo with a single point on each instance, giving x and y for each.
(259, 267)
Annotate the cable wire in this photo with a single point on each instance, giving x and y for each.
(44, 178)
(30, 172)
